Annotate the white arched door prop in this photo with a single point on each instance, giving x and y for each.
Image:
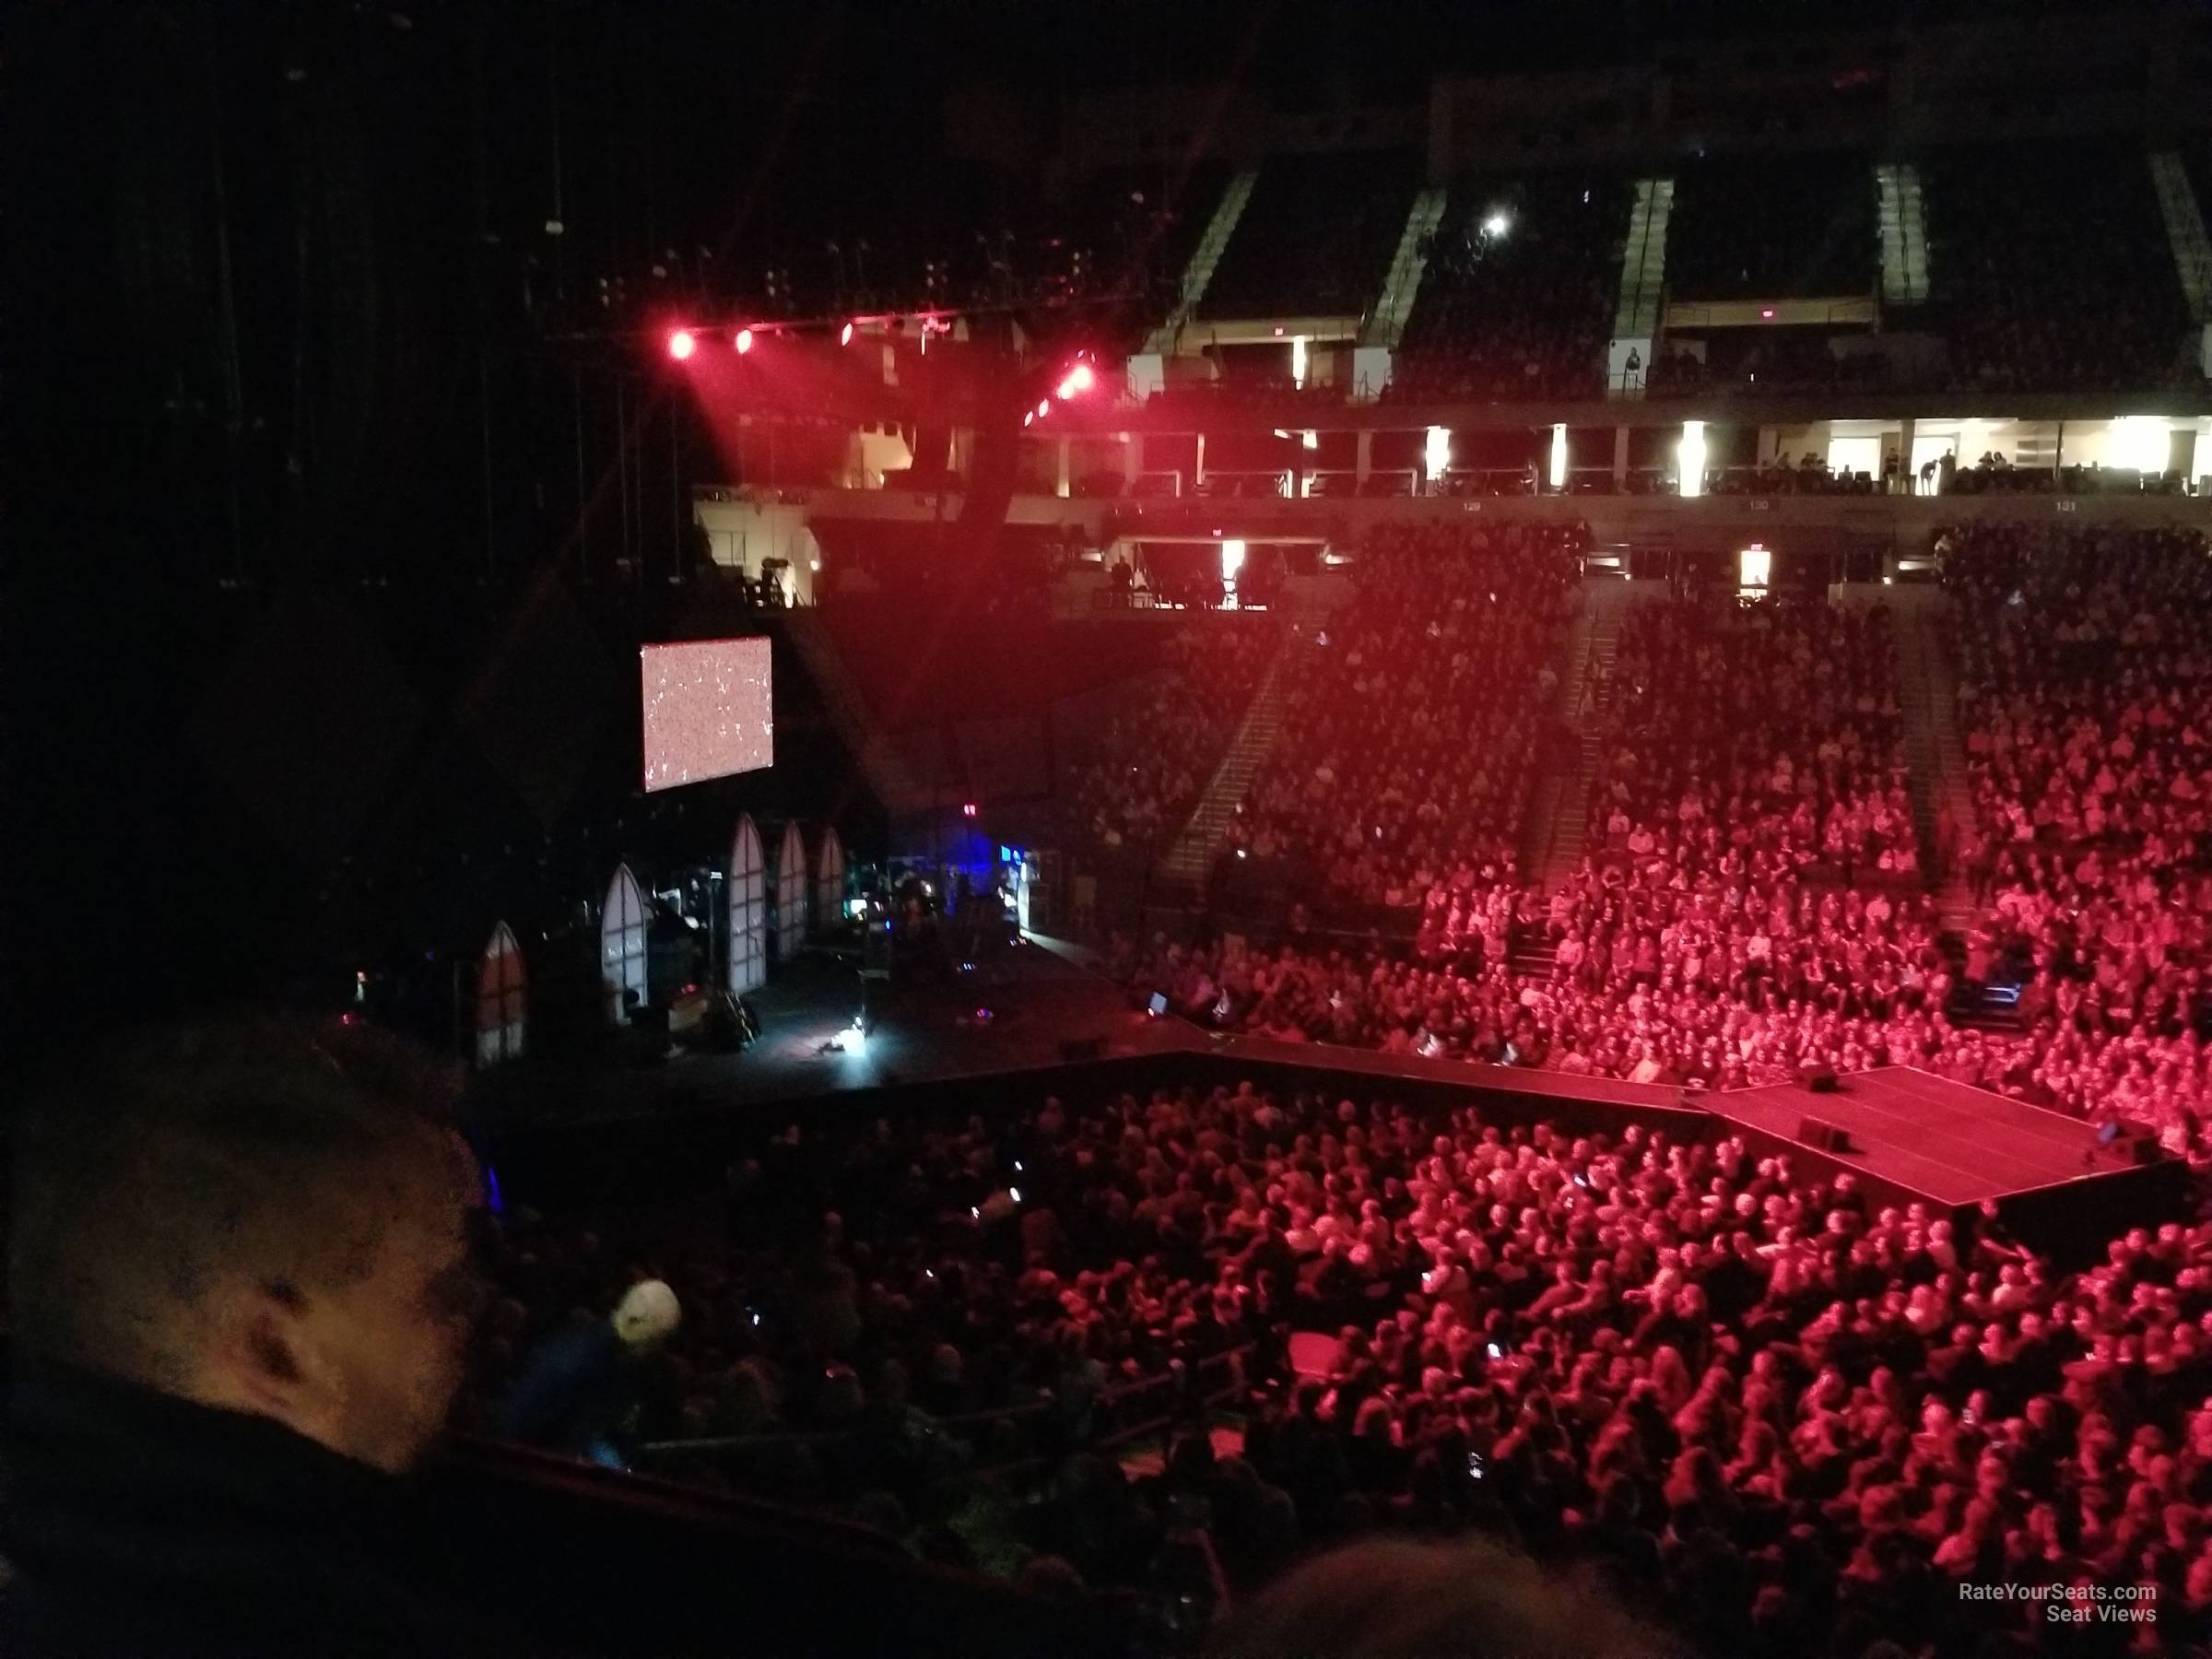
(791, 893)
(830, 882)
(749, 911)
(622, 945)
(503, 999)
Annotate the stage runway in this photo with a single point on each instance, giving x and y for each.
(1914, 1136)
(1955, 1143)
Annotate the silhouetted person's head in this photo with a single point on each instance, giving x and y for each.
(1470, 1600)
(263, 1216)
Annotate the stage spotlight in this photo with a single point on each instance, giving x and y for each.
(744, 341)
(1498, 224)
(1044, 406)
(1028, 415)
(682, 343)
(844, 334)
(1078, 381)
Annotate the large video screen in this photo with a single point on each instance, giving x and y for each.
(707, 711)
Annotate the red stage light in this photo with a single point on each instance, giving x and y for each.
(1044, 406)
(1078, 379)
(744, 341)
(844, 336)
(682, 343)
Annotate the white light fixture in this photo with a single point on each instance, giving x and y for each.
(1754, 565)
(1233, 562)
(1559, 455)
(1297, 360)
(1435, 452)
(2140, 442)
(1690, 457)
(1498, 223)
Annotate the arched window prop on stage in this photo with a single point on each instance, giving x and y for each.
(791, 893)
(749, 911)
(622, 947)
(503, 999)
(830, 882)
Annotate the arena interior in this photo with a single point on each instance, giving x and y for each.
(1283, 829)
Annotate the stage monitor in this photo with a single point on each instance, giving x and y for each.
(707, 711)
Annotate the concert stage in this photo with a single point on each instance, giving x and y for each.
(1027, 1009)
(1038, 1020)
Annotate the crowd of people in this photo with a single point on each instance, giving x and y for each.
(1994, 474)
(1772, 1416)
(2085, 657)
(1140, 773)
(1753, 899)
(1517, 298)
(1415, 714)
(2036, 295)
(1808, 474)
(1698, 983)
(1785, 360)
(1769, 733)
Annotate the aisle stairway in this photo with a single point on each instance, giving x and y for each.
(1385, 323)
(1199, 273)
(1905, 230)
(1560, 824)
(1191, 854)
(2185, 220)
(1643, 261)
(1928, 692)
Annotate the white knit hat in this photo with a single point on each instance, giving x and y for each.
(647, 1313)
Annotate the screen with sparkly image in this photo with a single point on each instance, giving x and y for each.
(707, 711)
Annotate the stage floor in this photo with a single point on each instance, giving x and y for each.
(1955, 1143)
(1019, 1011)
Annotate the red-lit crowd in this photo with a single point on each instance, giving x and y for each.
(1775, 1416)
(1752, 901)
(1416, 714)
(1755, 741)
(2085, 660)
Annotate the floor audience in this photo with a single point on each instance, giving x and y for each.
(1780, 1416)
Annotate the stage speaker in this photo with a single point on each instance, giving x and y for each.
(1822, 1136)
(1073, 1048)
(1820, 1079)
